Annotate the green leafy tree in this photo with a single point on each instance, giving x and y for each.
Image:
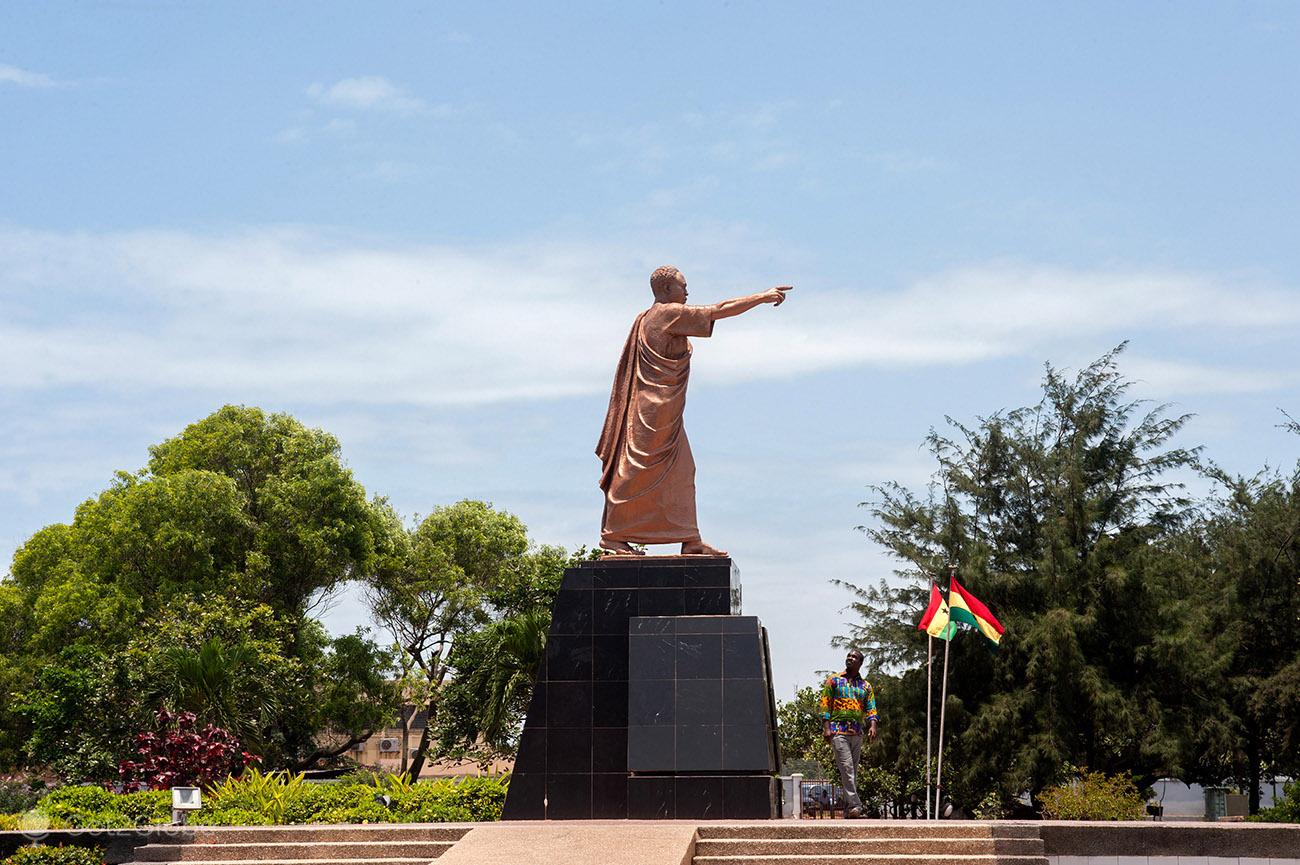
(15, 674)
(253, 508)
(495, 666)
(308, 525)
(799, 733)
(349, 697)
(1060, 516)
(484, 705)
(79, 711)
(438, 586)
(226, 661)
(1250, 624)
(289, 691)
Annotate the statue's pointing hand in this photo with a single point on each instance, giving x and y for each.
(777, 295)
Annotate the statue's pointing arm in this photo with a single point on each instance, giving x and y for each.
(737, 305)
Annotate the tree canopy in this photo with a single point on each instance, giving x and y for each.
(190, 582)
(465, 587)
(1146, 633)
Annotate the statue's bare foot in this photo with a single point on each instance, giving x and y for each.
(620, 548)
(699, 548)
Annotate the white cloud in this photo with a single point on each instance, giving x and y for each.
(1169, 378)
(366, 93)
(24, 77)
(279, 312)
(994, 310)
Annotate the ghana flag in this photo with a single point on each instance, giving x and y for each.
(935, 621)
(969, 610)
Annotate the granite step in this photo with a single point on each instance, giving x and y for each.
(867, 846)
(278, 851)
(911, 829)
(378, 844)
(321, 832)
(869, 859)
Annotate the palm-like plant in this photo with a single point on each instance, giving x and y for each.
(521, 646)
(217, 683)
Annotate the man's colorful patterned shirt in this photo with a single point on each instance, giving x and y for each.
(847, 704)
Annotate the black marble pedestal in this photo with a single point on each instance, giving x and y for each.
(700, 715)
(579, 758)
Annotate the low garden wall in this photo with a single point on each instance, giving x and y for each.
(119, 845)
(1065, 842)
(1169, 843)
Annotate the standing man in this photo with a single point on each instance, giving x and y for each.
(647, 471)
(847, 703)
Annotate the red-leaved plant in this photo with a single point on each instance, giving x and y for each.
(180, 754)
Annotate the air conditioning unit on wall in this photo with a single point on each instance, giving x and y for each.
(389, 746)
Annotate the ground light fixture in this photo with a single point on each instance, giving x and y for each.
(184, 800)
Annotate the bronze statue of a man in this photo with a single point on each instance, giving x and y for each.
(647, 471)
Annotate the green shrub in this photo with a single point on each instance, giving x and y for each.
(272, 798)
(990, 807)
(19, 796)
(366, 777)
(147, 808)
(430, 802)
(269, 794)
(97, 808)
(466, 800)
(1094, 796)
(339, 803)
(55, 856)
(66, 802)
(483, 796)
(30, 821)
(1284, 810)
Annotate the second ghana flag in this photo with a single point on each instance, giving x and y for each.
(966, 608)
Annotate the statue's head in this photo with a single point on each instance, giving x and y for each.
(668, 284)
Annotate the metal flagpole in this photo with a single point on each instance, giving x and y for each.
(929, 701)
(943, 705)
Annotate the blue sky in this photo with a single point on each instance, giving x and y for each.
(426, 229)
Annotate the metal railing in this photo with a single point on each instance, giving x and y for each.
(824, 800)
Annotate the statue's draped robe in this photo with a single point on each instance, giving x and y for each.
(648, 473)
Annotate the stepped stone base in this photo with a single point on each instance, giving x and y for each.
(679, 842)
(867, 842)
(305, 845)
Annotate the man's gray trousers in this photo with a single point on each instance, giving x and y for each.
(847, 751)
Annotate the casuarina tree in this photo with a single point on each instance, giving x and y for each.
(1057, 515)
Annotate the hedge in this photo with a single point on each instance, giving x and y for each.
(276, 798)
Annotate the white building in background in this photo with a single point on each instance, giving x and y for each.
(383, 750)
